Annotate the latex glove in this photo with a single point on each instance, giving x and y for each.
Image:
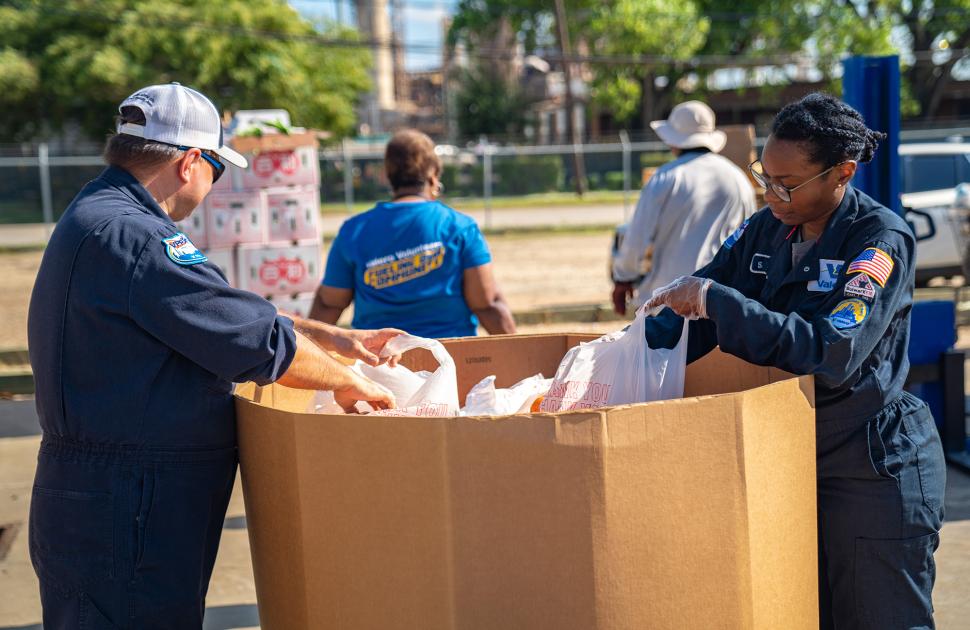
(686, 296)
(622, 291)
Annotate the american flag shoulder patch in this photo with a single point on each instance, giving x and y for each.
(873, 262)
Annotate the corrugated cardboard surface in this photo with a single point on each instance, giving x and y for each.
(696, 513)
(274, 142)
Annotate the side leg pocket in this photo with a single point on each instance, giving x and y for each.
(71, 536)
(893, 582)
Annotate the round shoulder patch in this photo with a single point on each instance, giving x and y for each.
(849, 314)
(180, 250)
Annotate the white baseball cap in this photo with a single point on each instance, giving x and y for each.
(180, 116)
(690, 125)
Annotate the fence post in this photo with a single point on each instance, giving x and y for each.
(625, 143)
(348, 176)
(46, 197)
(487, 178)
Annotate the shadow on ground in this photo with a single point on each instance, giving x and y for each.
(217, 618)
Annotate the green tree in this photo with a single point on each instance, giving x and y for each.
(671, 38)
(488, 104)
(673, 29)
(72, 61)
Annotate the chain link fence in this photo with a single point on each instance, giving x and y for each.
(37, 183)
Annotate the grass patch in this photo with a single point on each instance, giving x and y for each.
(535, 230)
(538, 200)
(22, 249)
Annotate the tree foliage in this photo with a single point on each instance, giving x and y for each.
(488, 104)
(72, 61)
(676, 33)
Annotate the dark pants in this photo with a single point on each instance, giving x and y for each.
(880, 509)
(127, 539)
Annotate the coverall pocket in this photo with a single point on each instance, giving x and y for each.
(71, 536)
(91, 617)
(921, 431)
(142, 498)
(894, 582)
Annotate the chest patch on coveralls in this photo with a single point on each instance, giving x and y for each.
(181, 250)
(849, 314)
(828, 275)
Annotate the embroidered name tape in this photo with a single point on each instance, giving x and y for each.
(849, 314)
(828, 275)
(875, 263)
(181, 250)
(759, 264)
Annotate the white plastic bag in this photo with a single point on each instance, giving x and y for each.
(618, 369)
(416, 393)
(485, 400)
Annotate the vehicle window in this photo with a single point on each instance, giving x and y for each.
(928, 172)
(963, 168)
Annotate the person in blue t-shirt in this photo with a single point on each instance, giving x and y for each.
(413, 262)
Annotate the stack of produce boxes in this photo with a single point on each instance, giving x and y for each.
(261, 225)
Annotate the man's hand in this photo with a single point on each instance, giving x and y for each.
(622, 292)
(365, 345)
(361, 388)
(686, 296)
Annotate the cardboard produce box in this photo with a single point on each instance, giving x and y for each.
(279, 160)
(280, 268)
(696, 513)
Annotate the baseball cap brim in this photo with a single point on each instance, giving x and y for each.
(233, 157)
(713, 140)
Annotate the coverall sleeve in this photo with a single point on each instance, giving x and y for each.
(628, 264)
(236, 335)
(663, 330)
(833, 335)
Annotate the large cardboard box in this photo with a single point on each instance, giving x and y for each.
(696, 513)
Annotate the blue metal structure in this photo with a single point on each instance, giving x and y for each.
(871, 86)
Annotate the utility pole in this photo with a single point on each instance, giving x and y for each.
(579, 167)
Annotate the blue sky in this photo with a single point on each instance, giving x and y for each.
(421, 25)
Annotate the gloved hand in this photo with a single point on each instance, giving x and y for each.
(622, 291)
(686, 296)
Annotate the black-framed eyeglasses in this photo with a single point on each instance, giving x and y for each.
(218, 168)
(783, 192)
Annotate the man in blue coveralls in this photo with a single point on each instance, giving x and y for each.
(821, 282)
(135, 341)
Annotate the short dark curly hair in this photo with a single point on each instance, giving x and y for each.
(410, 160)
(832, 131)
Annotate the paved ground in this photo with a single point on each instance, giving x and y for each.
(232, 597)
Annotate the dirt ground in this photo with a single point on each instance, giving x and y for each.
(16, 282)
(533, 271)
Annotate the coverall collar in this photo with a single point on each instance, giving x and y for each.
(126, 183)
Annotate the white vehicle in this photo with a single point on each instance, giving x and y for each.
(930, 173)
